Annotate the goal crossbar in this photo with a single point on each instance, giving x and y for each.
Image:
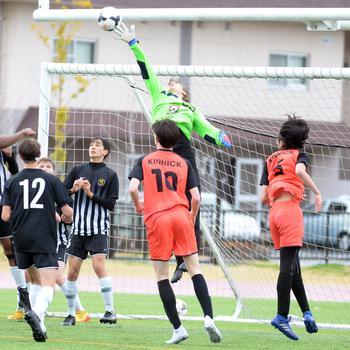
(201, 71)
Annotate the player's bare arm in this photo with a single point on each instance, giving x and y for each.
(301, 172)
(195, 203)
(67, 213)
(6, 141)
(264, 198)
(6, 213)
(134, 193)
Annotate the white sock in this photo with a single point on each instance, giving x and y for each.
(107, 293)
(63, 287)
(78, 305)
(29, 284)
(18, 276)
(33, 293)
(43, 301)
(71, 295)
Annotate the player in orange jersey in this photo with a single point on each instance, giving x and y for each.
(170, 225)
(283, 180)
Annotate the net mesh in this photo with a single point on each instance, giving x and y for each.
(251, 112)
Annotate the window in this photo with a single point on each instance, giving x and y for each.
(288, 60)
(344, 164)
(78, 51)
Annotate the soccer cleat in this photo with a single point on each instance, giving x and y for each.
(178, 273)
(109, 317)
(17, 316)
(24, 299)
(34, 322)
(179, 335)
(82, 316)
(213, 331)
(282, 324)
(309, 321)
(68, 321)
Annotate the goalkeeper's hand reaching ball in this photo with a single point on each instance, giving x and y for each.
(225, 140)
(124, 33)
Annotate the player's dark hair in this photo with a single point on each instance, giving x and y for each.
(294, 132)
(167, 132)
(106, 145)
(29, 150)
(47, 160)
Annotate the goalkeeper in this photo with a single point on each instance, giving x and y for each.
(173, 102)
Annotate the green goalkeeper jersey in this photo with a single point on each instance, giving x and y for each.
(166, 105)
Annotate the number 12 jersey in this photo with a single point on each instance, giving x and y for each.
(32, 194)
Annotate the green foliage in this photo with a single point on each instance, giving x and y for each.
(63, 32)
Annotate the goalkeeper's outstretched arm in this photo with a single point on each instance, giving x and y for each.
(209, 132)
(150, 78)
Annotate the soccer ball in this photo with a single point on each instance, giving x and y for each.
(181, 307)
(108, 18)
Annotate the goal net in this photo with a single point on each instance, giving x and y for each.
(236, 252)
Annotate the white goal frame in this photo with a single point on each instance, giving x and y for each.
(127, 71)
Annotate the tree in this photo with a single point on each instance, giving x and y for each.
(62, 35)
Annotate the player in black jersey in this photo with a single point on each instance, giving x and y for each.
(7, 159)
(29, 198)
(95, 188)
(63, 232)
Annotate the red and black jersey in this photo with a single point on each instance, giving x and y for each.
(166, 178)
(279, 173)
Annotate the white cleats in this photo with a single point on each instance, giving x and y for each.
(213, 332)
(179, 336)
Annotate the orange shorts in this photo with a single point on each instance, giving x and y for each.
(171, 231)
(286, 224)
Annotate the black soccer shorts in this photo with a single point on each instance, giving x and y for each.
(81, 246)
(39, 260)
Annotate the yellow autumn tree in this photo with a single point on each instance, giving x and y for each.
(63, 34)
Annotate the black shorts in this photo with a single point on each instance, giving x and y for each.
(80, 246)
(5, 227)
(39, 260)
(61, 253)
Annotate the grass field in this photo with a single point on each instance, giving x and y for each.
(150, 334)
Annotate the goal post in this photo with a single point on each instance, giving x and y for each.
(249, 103)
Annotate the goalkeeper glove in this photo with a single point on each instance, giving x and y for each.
(124, 33)
(225, 140)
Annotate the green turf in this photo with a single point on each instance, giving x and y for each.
(149, 334)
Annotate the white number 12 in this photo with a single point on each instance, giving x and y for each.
(34, 203)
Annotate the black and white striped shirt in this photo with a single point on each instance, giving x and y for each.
(91, 216)
(62, 233)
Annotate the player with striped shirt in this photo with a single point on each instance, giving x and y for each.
(95, 188)
(166, 177)
(173, 102)
(283, 180)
